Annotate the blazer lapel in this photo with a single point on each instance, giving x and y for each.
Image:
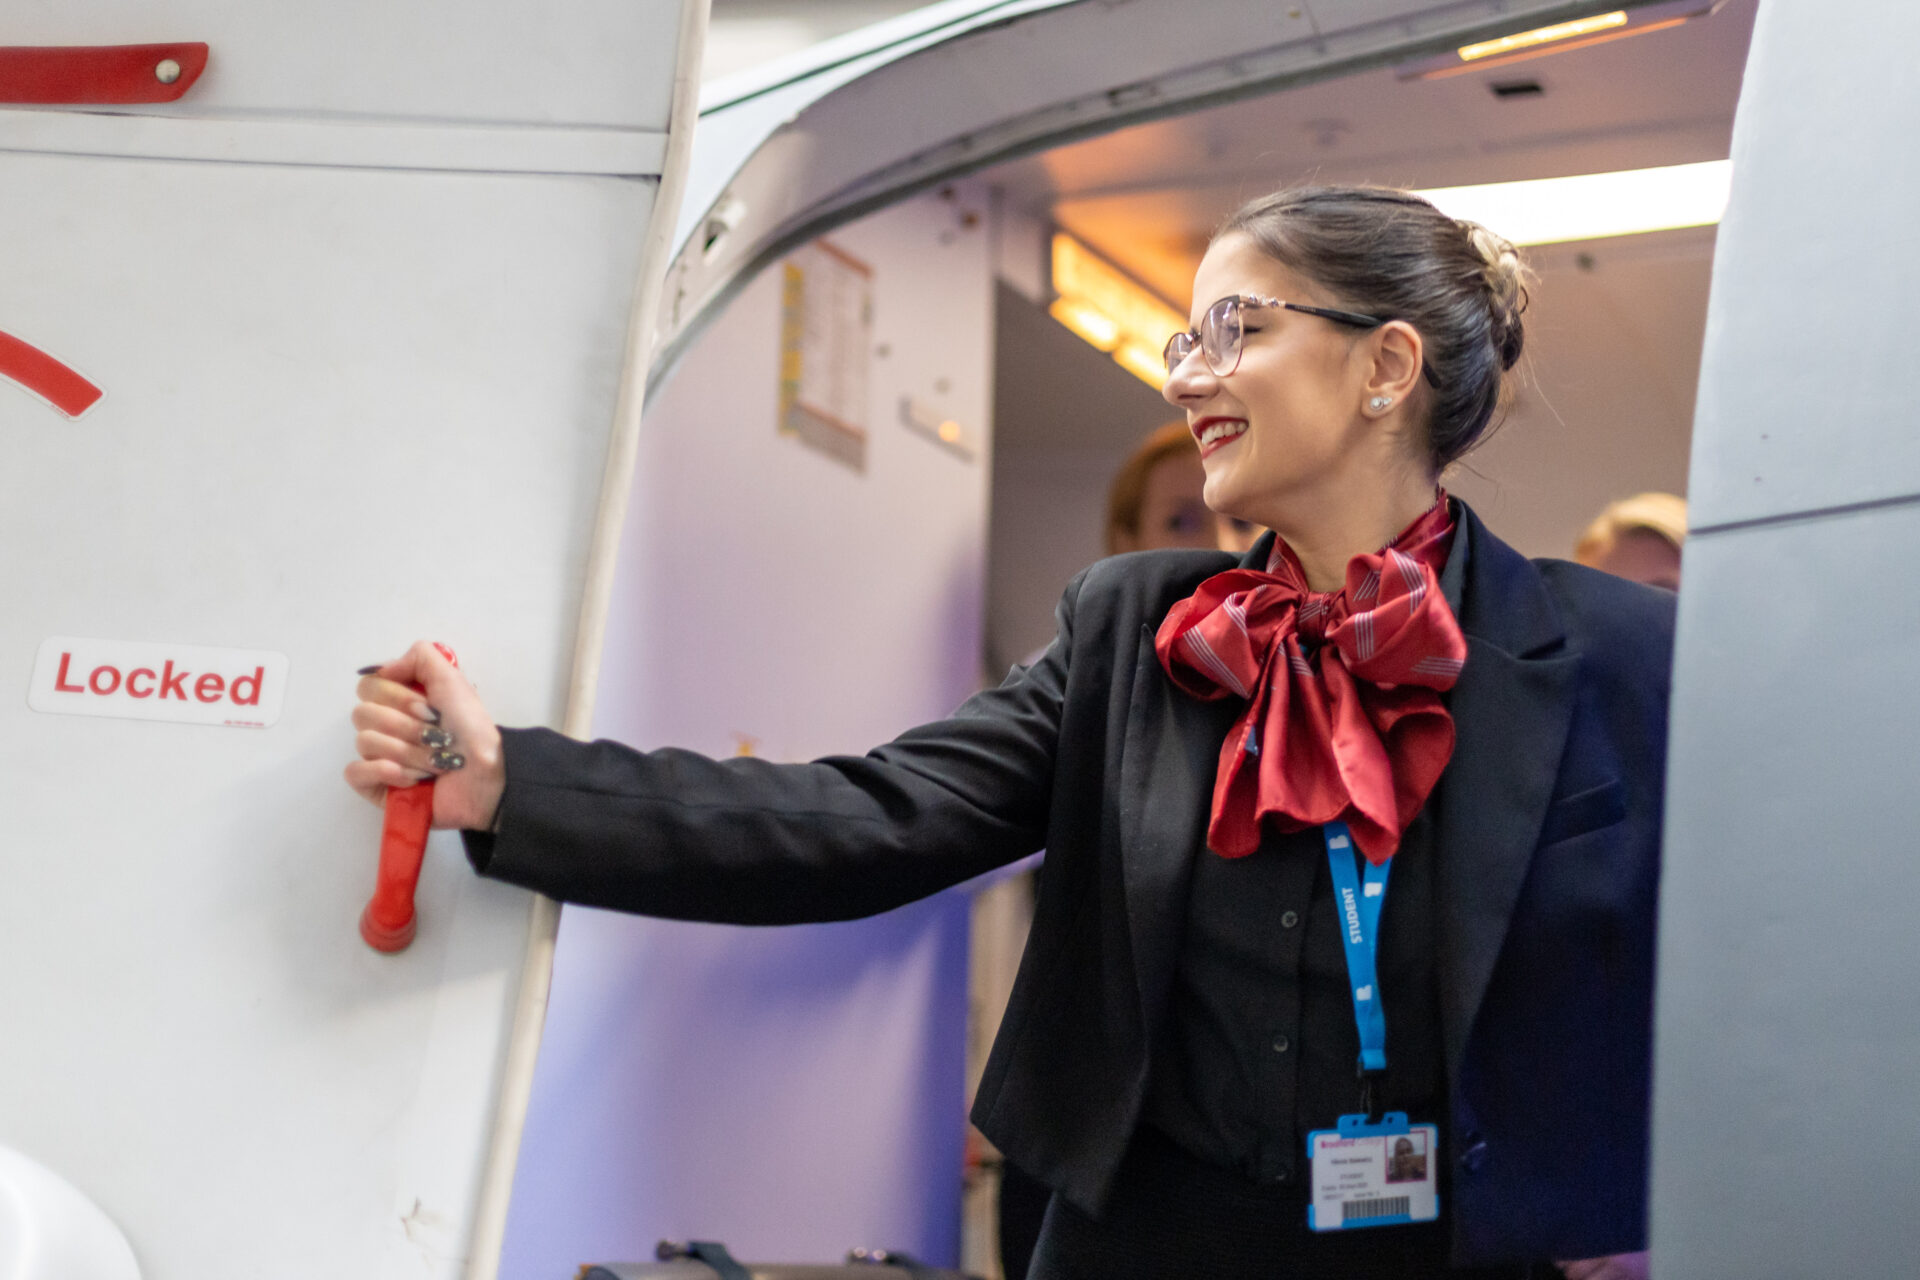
(1166, 786)
(1511, 711)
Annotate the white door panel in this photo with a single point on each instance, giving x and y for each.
(342, 410)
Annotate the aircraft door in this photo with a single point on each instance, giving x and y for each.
(324, 356)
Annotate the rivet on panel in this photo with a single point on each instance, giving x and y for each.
(166, 71)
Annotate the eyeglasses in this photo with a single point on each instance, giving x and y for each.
(1222, 332)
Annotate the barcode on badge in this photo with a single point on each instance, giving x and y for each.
(1378, 1207)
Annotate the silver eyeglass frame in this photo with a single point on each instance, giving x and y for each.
(1182, 345)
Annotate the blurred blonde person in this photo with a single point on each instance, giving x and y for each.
(1638, 538)
(1155, 501)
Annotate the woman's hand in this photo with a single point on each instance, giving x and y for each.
(443, 734)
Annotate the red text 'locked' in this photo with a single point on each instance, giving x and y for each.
(189, 684)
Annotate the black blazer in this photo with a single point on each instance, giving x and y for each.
(1548, 848)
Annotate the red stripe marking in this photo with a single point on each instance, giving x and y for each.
(46, 377)
(97, 74)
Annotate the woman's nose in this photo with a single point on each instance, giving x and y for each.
(1189, 382)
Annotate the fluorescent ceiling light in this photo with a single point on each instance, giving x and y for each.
(1561, 37)
(1594, 205)
(1098, 329)
(1542, 35)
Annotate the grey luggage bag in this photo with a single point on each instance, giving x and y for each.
(708, 1260)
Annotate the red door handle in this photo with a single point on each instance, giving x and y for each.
(99, 75)
(389, 921)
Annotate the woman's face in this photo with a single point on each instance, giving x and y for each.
(1288, 418)
(1173, 512)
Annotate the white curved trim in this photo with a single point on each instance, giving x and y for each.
(536, 974)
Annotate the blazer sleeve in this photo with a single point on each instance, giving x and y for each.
(746, 841)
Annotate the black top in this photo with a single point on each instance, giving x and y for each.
(1260, 1046)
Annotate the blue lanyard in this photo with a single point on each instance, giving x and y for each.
(1359, 898)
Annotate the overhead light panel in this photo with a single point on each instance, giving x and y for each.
(1095, 327)
(1521, 40)
(1561, 37)
(1592, 206)
(1110, 310)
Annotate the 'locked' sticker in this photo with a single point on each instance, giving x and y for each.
(132, 680)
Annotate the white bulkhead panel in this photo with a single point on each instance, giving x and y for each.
(1788, 956)
(342, 406)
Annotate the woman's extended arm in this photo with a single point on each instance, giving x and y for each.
(673, 833)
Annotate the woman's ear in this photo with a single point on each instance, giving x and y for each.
(1398, 353)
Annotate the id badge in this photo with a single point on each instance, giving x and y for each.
(1373, 1175)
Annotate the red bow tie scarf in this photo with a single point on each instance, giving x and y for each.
(1343, 715)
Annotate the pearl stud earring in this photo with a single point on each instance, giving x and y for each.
(1380, 403)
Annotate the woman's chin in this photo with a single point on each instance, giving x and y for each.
(1218, 492)
(1223, 495)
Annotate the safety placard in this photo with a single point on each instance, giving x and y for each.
(134, 680)
(826, 334)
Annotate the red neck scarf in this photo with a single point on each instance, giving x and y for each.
(1343, 715)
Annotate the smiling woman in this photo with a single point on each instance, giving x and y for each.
(1384, 361)
(1224, 1025)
